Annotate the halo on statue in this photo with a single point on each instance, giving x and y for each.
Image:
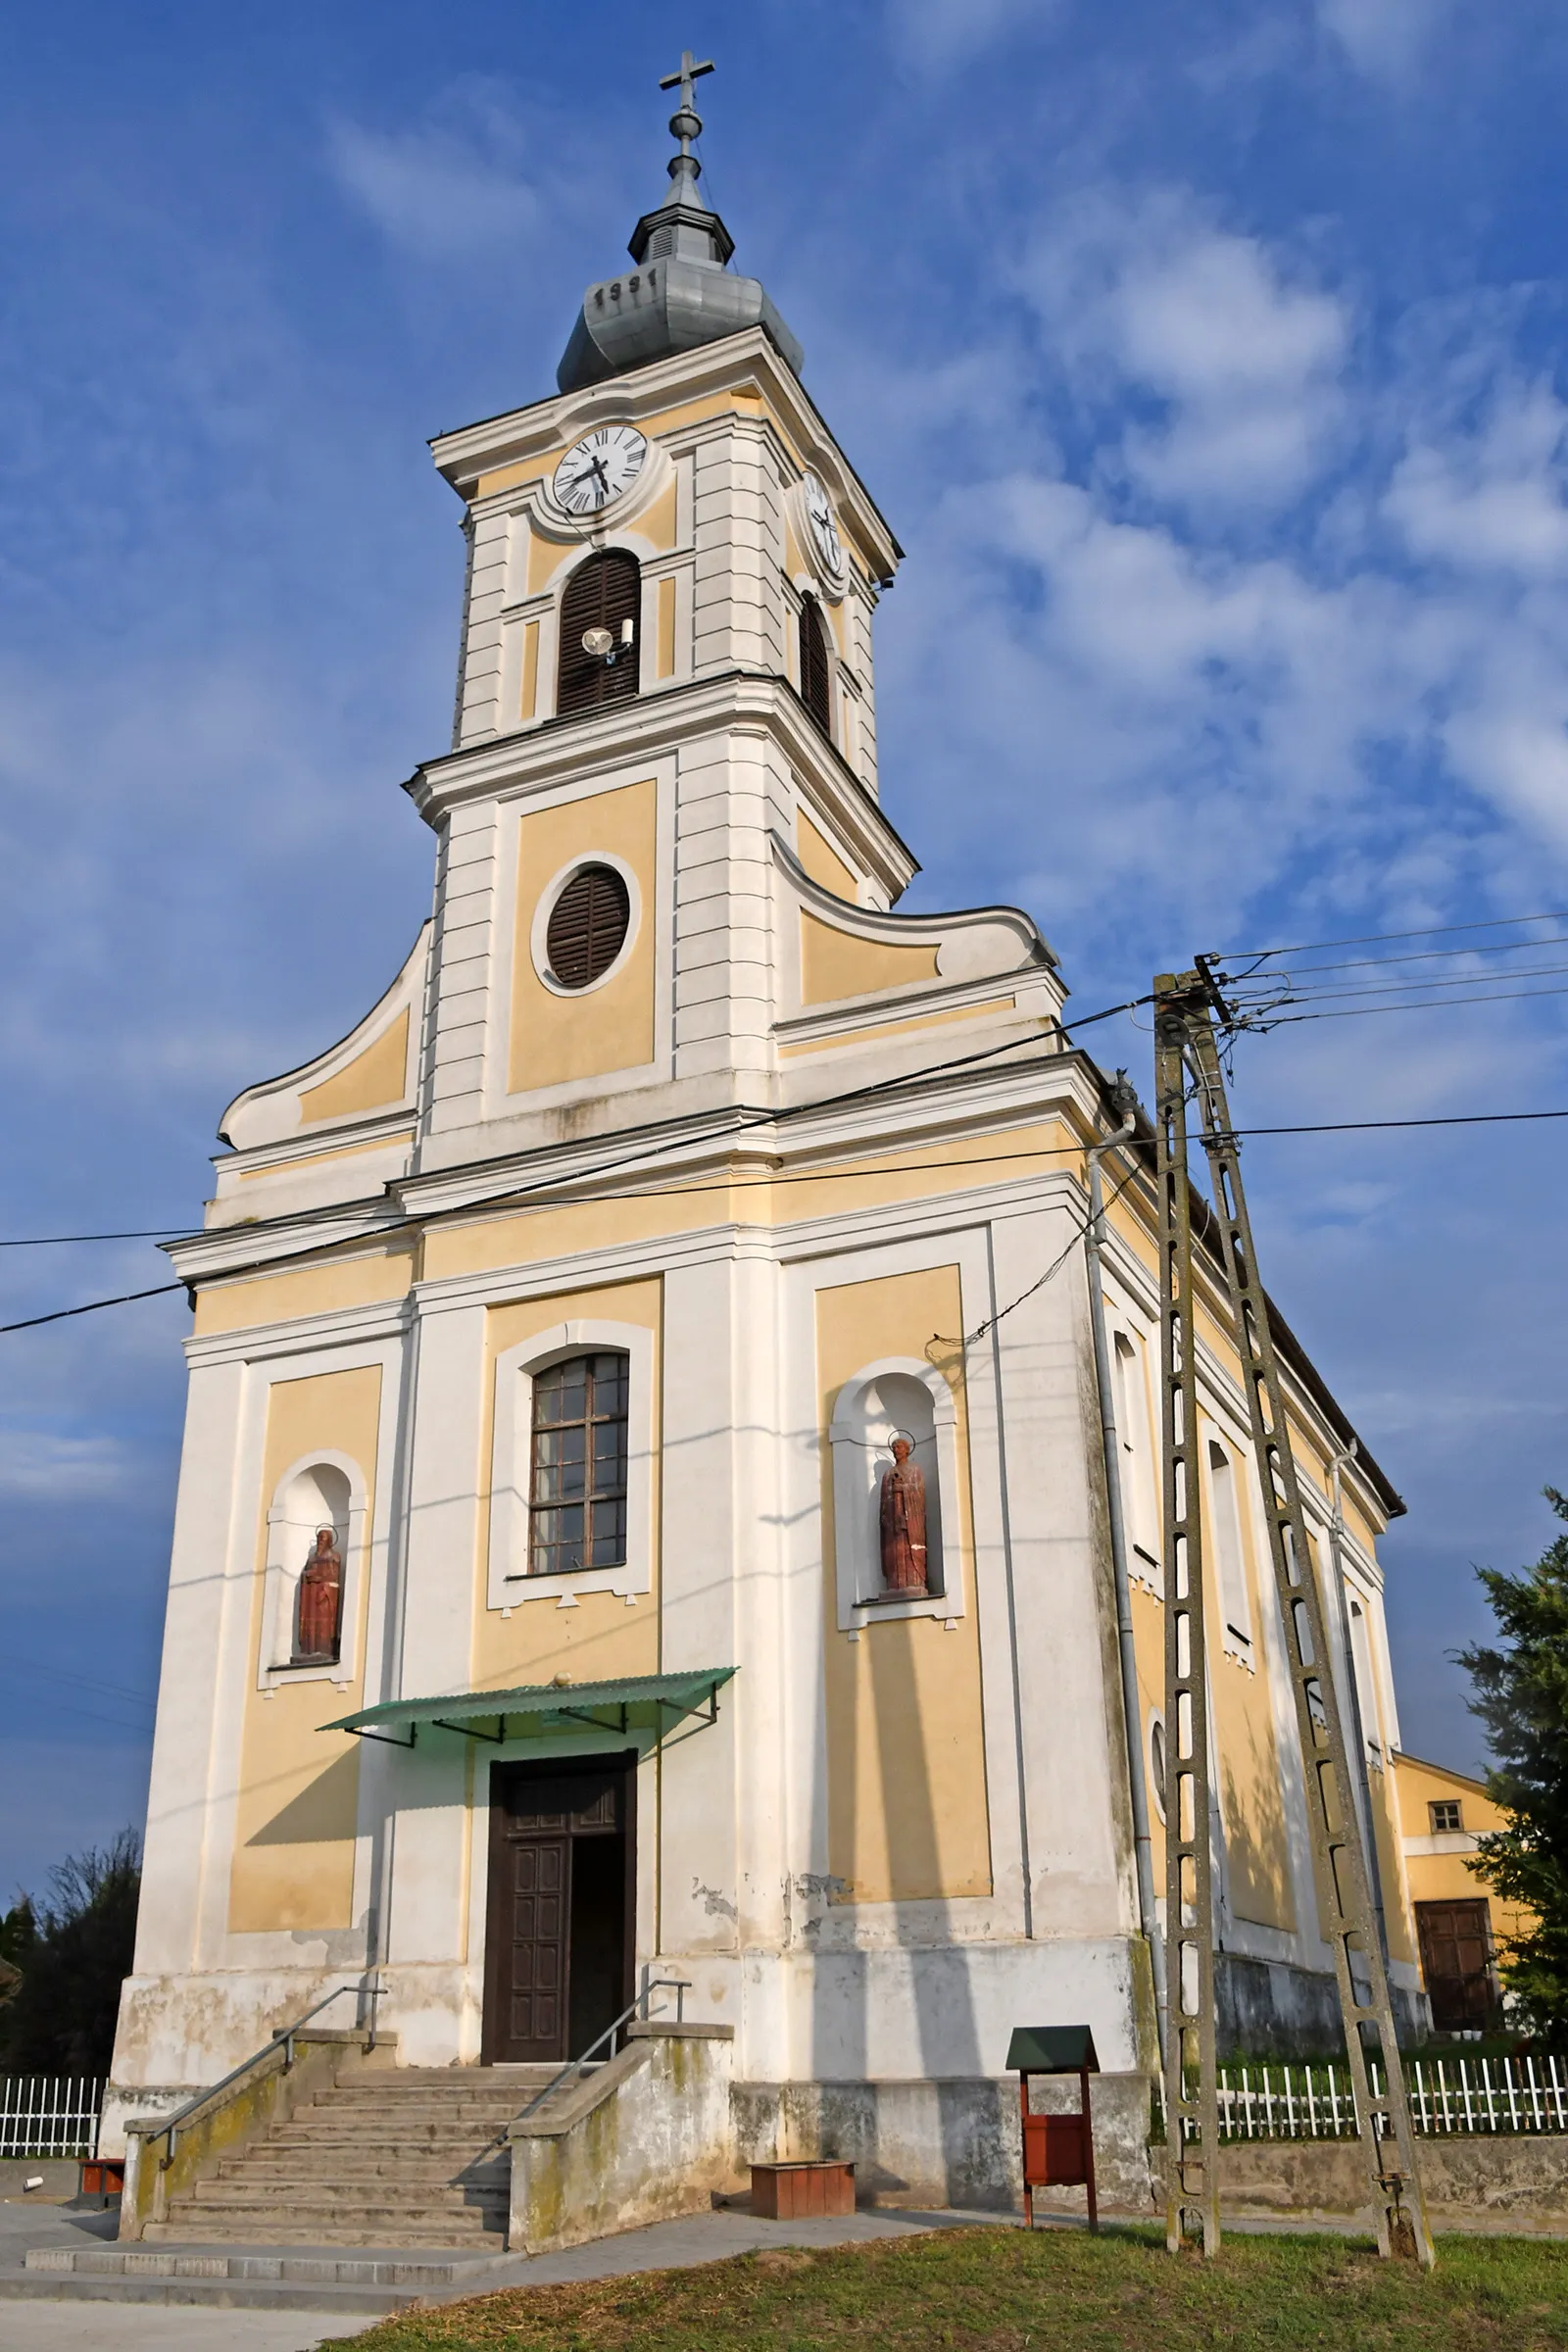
(908, 1435)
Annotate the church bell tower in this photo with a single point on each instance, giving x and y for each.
(666, 661)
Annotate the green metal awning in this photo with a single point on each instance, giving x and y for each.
(636, 1703)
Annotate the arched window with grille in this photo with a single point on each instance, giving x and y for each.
(815, 665)
(601, 618)
(577, 1482)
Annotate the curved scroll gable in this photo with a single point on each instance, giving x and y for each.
(366, 1075)
(850, 952)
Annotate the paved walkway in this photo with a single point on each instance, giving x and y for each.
(107, 2325)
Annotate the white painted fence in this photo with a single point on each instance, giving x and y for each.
(1447, 2095)
(49, 2114)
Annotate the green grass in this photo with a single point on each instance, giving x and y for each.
(1056, 2290)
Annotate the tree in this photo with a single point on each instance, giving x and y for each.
(1521, 1696)
(71, 1953)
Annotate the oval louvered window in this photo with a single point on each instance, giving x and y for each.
(602, 604)
(588, 925)
(814, 666)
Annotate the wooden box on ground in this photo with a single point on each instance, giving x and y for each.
(793, 2192)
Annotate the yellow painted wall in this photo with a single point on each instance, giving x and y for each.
(601, 1637)
(365, 1280)
(907, 1816)
(744, 400)
(321, 1160)
(545, 555)
(837, 963)
(657, 524)
(664, 633)
(821, 860)
(1252, 1799)
(861, 1182)
(373, 1081)
(1243, 1731)
(609, 1028)
(529, 699)
(293, 1862)
(835, 1038)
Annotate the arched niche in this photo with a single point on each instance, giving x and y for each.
(892, 1395)
(319, 1490)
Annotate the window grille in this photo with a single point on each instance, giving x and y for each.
(577, 1488)
(814, 666)
(587, 927)
(603, 595)
(1447, 1814)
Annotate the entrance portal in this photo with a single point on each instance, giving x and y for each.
(561, 1910)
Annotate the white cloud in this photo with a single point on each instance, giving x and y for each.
(1492, 498)
(444, 190)
(1383, 38)
(942, 32)
(39, 1466)
(1150, 297)
(1185, 700)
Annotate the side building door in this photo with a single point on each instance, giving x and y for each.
(1456, 1964)
(560, 1913)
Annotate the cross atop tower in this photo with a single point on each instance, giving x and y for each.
(685, 122)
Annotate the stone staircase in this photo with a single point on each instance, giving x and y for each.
(381, 2156)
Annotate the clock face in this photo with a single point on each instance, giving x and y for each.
(825, 530)
(602, 465)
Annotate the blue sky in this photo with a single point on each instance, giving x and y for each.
(1207, 362)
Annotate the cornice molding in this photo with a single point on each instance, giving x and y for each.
(748, 357)
(562, 750)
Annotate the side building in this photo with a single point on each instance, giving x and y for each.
(1460, 1922)
(554, 1330)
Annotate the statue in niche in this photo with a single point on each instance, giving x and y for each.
(904, 1521)
(320, 1604)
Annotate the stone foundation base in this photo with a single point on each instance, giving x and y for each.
(943, 2143)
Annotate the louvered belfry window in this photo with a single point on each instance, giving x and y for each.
(814, 666)
(588, 925)
(604, 593)
(577, 1488)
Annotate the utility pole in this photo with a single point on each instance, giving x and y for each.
(1191, 2082)
(1185, 1043)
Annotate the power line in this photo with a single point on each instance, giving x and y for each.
(12, 1663)
(1405, 988)
(1501, 947)
(990, 1160)
(1352, 1012)
(1377, 938)
(60, 1313)
(51, 1241)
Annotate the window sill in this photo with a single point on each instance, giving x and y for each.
(567, 1585)
(900, 1605)
(309, 1671)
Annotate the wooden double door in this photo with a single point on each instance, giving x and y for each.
(1456, 1964)
(561, 1910)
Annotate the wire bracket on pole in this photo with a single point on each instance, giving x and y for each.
(1191, 2098)
(1345, 1899)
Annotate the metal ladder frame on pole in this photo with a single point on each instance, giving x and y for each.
(1188, 1005)
(1191, 2107)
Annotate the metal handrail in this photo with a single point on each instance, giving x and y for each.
(167, 2130)
(678, 1985)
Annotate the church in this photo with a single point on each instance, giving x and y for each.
(641, 1538)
